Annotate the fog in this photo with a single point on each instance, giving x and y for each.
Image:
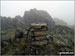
(57, 9)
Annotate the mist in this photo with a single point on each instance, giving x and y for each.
(63, 10)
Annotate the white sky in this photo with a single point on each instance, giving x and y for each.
(61, 9)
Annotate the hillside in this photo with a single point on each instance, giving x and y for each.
(63, 36)
(38, 16)
(63, 23)
(8, 23)
(32, 16)
(60, 22)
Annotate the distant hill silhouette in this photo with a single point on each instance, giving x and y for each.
(61, 32)
(32, 16)
(60, 22)
(38, 16)
(8, 23)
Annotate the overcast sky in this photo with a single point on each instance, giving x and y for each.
(57, 9)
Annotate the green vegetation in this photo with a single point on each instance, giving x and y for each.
(62, 35)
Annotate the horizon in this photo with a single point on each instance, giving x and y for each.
(63, 10)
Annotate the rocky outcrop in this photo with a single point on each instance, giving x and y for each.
(38, 16)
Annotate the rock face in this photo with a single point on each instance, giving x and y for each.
(38, 16)
(64, 37)
(8, 23)
(32, 16)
